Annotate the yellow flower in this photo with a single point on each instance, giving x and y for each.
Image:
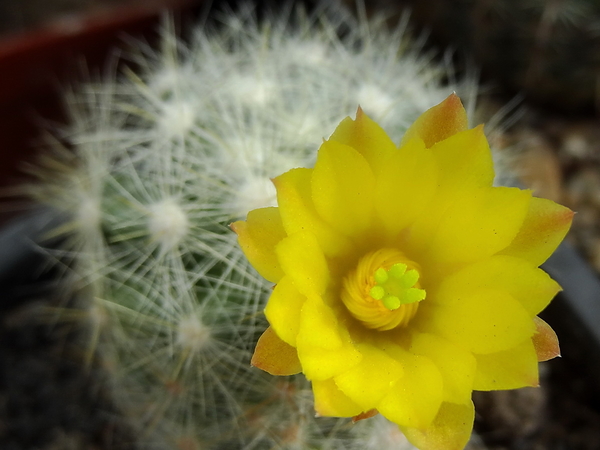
(404, 279)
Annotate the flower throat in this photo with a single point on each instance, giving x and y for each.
(383, 290)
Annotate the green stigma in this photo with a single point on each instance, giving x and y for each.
(395, 287)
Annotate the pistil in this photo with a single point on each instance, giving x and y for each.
(383, 290)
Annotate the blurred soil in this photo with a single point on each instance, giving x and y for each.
(51, 397)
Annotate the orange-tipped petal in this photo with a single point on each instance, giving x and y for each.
(544, 227)
(365, 415)
(275, 356)
(510, 369)
(440, 122)
(545, 341)
(450, 430)
(258, 236)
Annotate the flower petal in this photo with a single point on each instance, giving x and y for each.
(319, 325)
(544, 227)
(367, 382)
(531, 286)
(257, 237)
(324, 346)
(450, 430)
(301, 257)
(397, 202)
(283, 310)
(275, 356)
(509, 369)
(367, 138)
(464, 165)
(484, 321)
(331, 402)
(481, 224)
(343, 185)
(464, 162)
(298, 211)
(439, 122)
(456, 365)
(365, 415)
(415, 399)
(545, 341)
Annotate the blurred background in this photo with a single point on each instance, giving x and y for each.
(540, 57)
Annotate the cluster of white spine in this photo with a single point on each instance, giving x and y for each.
(167, 158)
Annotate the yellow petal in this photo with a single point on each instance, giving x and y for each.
(283, 310)
(324, 346)
(298, 212)
(415, 399)
(371, 379)
(464, 165)
(464, 162)
(483, 322)
(275, 356)
(366, 137)
(456, 365)
(531, 286)
(397, 201)
(319, 325)
(545, 341)
(258, 236)
(331, 402)
(545, 226)
(510, 369)
(450, 430)
(439, 122)
(342, 188)
(479, 225)
(301, 257)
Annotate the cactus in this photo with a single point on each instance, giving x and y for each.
(165, 158)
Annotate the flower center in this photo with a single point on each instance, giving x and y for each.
(383, 291)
